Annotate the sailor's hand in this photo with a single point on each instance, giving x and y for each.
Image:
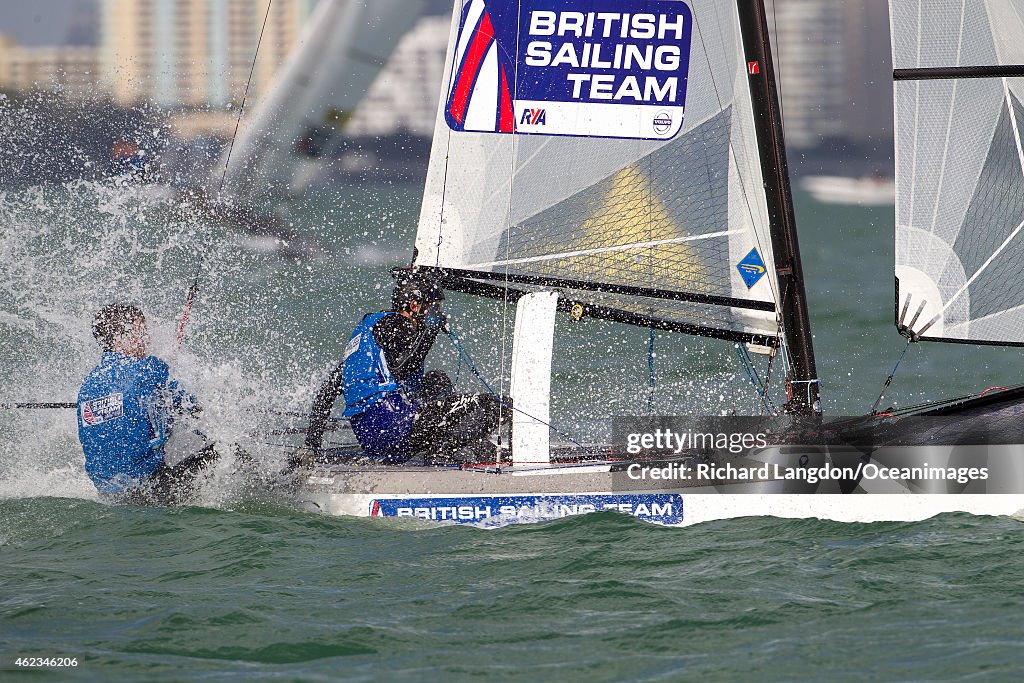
(437, 322)
(302, 457)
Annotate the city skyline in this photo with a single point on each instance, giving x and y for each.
(832, 59)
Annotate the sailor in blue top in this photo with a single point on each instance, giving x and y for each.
(125, 408)
(396, 409)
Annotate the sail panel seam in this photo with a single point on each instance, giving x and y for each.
(603, 250)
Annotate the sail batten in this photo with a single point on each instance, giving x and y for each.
(462, 283)
(611, 288)
(621, 180)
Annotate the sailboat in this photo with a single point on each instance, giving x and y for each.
(342, 49)
(625, 161)
(871, 190)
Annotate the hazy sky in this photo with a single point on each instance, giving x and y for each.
(39, 22)
(47, 22)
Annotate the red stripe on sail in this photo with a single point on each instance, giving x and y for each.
(506, 122)
(482, 39)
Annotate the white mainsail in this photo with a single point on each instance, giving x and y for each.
(341, 51)
(615, 206)
(959, 168)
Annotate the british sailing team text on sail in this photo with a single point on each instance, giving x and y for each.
(602, 55)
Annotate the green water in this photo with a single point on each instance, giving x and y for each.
(266, 593)
(246, 588)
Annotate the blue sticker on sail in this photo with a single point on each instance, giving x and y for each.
(618, 69)
(751, 268)
(658, 508)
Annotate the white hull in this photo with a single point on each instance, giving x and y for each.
(767, 486)
(698, 508)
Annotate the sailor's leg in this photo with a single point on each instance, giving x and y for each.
(456, 425)
(170, 485)
(436, 384)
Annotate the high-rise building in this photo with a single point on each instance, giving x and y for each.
(71, 70)
(194, 53)
(810, 64)
(869, 113)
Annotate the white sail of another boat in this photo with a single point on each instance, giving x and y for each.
(959, 169)
(640, 200)
(340, 53)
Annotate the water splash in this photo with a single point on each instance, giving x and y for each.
(71, 248)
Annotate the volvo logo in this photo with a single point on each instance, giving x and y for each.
(662, 122)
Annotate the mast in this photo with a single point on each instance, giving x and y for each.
(796, 324)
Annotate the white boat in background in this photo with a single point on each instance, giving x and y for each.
(865, 191)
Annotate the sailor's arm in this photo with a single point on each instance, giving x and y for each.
(323, 404)
(405, 344)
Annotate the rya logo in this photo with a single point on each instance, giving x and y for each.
(534, 117)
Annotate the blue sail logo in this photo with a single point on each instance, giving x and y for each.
(751, 268)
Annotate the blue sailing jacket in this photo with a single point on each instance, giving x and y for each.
(123, 419)
(380, 408)
(366, 378)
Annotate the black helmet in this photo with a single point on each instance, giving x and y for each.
(411, 285)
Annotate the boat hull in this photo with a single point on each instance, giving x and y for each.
(686, 507)
(490, 497)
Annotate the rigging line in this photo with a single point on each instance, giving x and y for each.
(888, 381)
(444, 196)
(766, 401)
(245, 95)
(755, 378)
(747, 363)
(447, 162)
(194, 289)
(468, 359)
(650, 276)
(778, 60)
(743, 188)
(780, 333)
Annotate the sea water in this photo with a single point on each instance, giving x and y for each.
(246, 586)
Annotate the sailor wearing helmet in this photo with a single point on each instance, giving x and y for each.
(396, 409)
